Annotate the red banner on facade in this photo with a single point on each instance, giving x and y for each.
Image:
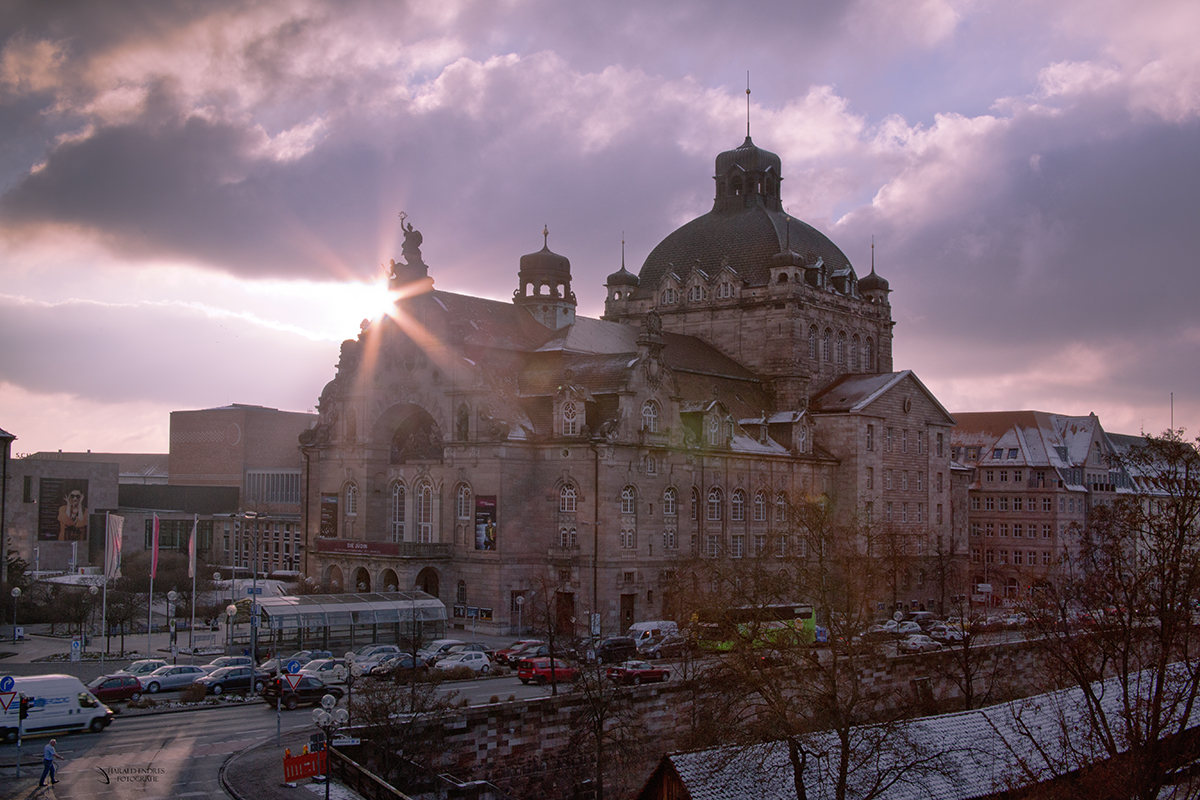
(306, 766)
(357, 546)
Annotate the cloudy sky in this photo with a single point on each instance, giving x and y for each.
(196, 197)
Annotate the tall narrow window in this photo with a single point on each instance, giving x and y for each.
(670, 501)
(827, 344)
(570, 420)
(425, 513)
(714, 505)
(781, 507)
(737, 506)
(869, 355)
(397, 512)
(695, 504)
(566, 499)
(650, 416)
(760, 506)
(841, 348)
(463, 502)
(351, 500)
(628, 500)
(813, 334)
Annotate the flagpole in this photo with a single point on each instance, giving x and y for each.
(150, 601)
(104, 602)
(192, 569)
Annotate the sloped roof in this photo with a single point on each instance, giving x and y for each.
(1042, 439)
(855, 392)
(977, 753)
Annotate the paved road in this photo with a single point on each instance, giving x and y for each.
(167, 755)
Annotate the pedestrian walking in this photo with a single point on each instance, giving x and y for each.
(48, 756)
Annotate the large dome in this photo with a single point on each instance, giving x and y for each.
(746, 239)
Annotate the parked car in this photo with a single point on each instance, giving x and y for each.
(329, 670)
(479, 662)
(234, 679)
(470, 647)
(537, 670)
(144, 667)
(309, 689)
(172, 677)
(371, 654)
(226, 661)
(905, 628)
(925, 619)
(616, 649)
(505, 654)
(434, 650)
(637, 672)
(303, 656)
(946, 634)
(918, 643)
(115, 687)
(396, 667)
(670, 646)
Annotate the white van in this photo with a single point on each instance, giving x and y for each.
(56, 703)
(641, 631)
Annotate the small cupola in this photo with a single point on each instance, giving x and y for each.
(621, 284)
(748, 175)
(873, 287)
(545, 286)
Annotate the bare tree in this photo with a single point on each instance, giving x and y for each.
(551, 618)
(400, 725)
(1123, 608)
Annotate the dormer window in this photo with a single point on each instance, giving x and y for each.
(570, 420)
(725, 290)
(670, 296)
(696, 294)
(714, 430)
(650, 416)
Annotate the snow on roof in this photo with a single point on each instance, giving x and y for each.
(972, 753)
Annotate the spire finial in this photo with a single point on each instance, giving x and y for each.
(747, 104)
(545, 236)
(872, 253)
(622, 250)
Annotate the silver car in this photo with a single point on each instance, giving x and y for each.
(144, 667)
(328, 670)
(171, 677)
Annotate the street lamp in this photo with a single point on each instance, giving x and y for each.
(16, 592)
(329, 720)
(231, 612)
(520, 605)
(93, 590)
(354, 671)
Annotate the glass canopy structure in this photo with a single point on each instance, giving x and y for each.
(335, 621)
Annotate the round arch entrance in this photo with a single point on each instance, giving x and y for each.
(362, 580)
(429, 582)
(333, 578)
(388, 581)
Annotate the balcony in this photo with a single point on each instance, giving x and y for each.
(563, 555)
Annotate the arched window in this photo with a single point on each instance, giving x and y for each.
(670, 296)
(813, 334)
(827, 344)
(566, 499)
(351, 500)
(460, 593)
(760, 506)
(695, 504)
(462, 502)
(570, 420)
(737, 506)
(669, 502)
(397, 512)
(696, 293)
(855, 345)
(650, 416)
(425, 513)
(714, 430)
(781, 507)
(714, 504)
(841, 348)
(869, 355)
(628, 500)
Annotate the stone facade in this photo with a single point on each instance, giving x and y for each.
(485, 451)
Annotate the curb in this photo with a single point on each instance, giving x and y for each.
(144, 712)
(226, 784)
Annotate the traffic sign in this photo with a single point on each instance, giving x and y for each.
(346, 741)
(293, 666)
(7, 683)
(6, 699)
(74, 644)
(293, 680)
(254, 622)
(254, 590)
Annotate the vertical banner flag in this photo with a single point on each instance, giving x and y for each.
(112, 546)
(154, 550)
(192, 549)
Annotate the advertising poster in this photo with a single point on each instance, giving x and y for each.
(63, 510)
(329, 505)
(485, 522)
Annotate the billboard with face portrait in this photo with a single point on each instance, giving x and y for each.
(485, 522)
(63, 510)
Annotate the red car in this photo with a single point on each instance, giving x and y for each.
(111, 688)
(512, 653)
(537, 670)
(637, 672)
